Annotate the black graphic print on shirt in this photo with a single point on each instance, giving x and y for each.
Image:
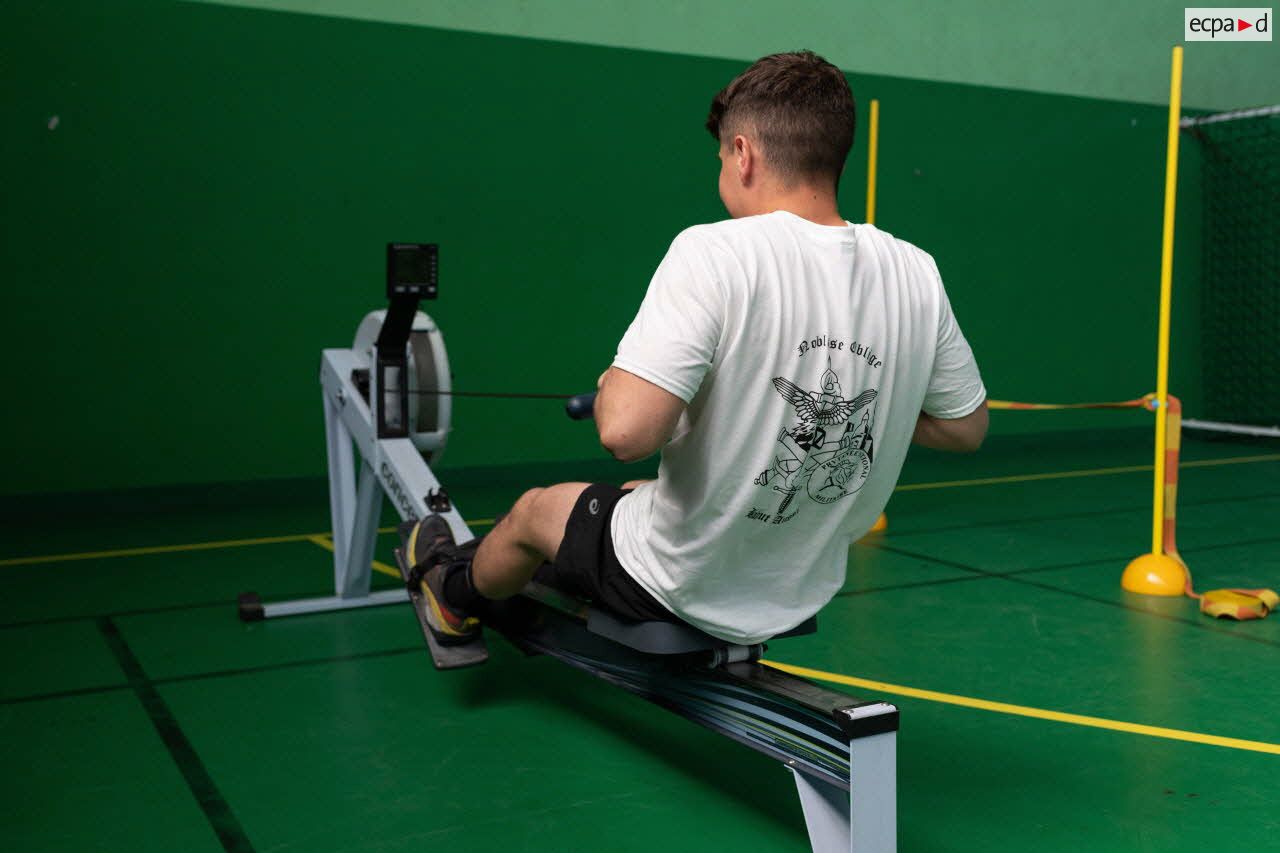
(825, 454)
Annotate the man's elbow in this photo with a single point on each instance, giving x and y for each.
(624, 446)
(976, 431)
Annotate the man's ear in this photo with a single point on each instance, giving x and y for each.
(744, 155)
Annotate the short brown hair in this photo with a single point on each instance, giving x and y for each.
(798, 107)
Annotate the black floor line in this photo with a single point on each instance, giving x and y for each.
(1200, 625)
(65, 694)
(975, 574)
(980, 574)
(221, 819)
(115, 614)
(1095, 513)
(1262, 540)
(217, 673)
(228, 603)
(870, 590)
(419, 648)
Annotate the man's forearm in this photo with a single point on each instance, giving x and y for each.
(961, 435)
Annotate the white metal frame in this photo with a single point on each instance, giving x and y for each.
(391, 466)
(362, 468)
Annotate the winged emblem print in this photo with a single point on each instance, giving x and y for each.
(823, 454)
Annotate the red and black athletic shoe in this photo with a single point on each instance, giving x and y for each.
(430, 550)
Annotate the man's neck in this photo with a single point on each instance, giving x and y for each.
(807, 203)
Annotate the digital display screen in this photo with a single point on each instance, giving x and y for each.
(412, 268)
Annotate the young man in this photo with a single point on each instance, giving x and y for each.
(782, 361)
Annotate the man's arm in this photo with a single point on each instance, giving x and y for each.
(634, 416)
(962, 435)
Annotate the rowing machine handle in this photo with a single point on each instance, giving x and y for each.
(580, 406)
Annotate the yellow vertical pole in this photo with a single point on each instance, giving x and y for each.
(1162, 572)
(1166, 297)
(873, 147)
(873, 136)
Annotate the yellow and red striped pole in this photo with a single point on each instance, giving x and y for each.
(1159, 573)
(1166, 299)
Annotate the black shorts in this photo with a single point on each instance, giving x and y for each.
(587, 567)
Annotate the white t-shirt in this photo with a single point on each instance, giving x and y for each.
(805, 353)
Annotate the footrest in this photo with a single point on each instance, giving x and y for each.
(444, 657)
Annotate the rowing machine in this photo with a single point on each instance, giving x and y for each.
(388, 397)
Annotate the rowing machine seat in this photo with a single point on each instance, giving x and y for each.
(668, 638)
(655, 638)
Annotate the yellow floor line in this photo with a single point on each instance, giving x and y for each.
(485, 522)
(378, 566)
(1024, 711)
(479, 522)
(157, 549)
(190, 546)
(1092, 472)
(1021, 478)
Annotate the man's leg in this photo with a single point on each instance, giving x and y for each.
(529, 535)
(457, 589)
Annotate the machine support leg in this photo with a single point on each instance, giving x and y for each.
(863, 819)
(826, 814)
(873, 785)
(354, 582)
(342, 488)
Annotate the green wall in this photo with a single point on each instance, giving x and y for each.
(1091, 48)
(211, 208)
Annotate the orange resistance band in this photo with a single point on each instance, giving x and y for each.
(1229, 603)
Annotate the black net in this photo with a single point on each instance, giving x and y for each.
(1241, 284)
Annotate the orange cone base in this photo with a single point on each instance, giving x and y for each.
(1155, 574)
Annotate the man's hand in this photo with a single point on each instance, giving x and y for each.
(634, 416)
(962, 435)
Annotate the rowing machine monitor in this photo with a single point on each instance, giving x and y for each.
(412, 275)
(413, 269)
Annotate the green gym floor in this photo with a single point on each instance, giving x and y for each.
(1043, 708)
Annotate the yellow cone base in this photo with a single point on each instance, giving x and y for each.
(881, 523)
(1155, 574)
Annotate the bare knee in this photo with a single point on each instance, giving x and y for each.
(524, 509)
(540, 516)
